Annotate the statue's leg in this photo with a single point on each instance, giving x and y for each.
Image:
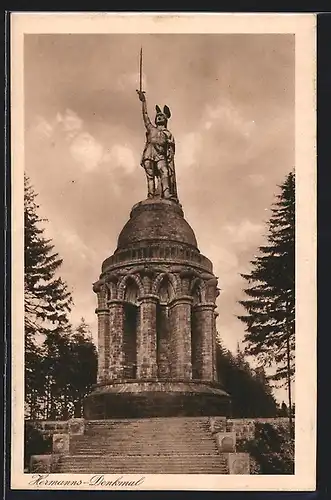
(150, 175)
(164, 177)
(158, 187)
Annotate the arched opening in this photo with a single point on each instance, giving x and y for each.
(196, 328)
(166, 294)
(130, 330)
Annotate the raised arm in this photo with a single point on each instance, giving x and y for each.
(142, 98)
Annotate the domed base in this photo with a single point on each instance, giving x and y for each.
(156, 219)
(139, 399)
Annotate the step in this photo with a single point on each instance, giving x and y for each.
(147, 427)
(155, 445)
(134, 456)
(145, 467)
(145, 458)
(141, 451)
(129, 442)
(165, 438)
(86, 446)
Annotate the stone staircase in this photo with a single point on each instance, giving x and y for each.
(173, 445)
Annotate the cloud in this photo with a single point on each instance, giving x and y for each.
(72, 244)
(256, 179)
(220, 255)
(43, 128)
(122, 156)
(230, 117)
(84, 147)
(232, 107)
(243, 232)
(70, 122)
(130, 81)
(87, 150)
(187, 149)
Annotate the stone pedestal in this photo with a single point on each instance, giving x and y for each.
(238, 463)
(76, 426)
(156, 321)
(43, 464)
(61, 444)
(147, 398)
(226, 442)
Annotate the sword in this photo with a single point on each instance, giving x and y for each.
(141, 71)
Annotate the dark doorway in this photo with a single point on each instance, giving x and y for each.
(196, 348)
(163, 341)
(130, 341)
(163, 328)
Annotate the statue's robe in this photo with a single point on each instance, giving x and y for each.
(160, 145)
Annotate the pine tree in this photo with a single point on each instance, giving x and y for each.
(83, 366)
(70, 363)
(47, 300)
(249, 397)
(261, 376)
(270, 307)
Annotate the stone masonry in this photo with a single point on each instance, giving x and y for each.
(156, 315)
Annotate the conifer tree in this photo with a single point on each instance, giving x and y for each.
(270, 305)
(47, 300)
(249, 396)
(82, 373)
(71, 367)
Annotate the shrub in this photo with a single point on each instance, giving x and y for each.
(35, 443)
(272, 451)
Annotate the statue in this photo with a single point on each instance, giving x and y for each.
(158, 155)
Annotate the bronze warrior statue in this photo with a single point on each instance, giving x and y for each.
(158, 154)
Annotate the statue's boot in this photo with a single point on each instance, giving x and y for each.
(166, 193)
(150, 188)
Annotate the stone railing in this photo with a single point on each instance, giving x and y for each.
(169, 252)
(244, 428)
(60, 431)
(227, 432)
(236, 463)
(74, 426)
(48, 427)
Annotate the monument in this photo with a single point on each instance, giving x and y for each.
(157, 407)
(156, 304)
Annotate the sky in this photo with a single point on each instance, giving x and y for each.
(232, 104)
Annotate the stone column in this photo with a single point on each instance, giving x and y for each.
(204, 333)
(215, 377)
(103, 331)
(116, 327)
(103, 344)
(212, 292)
(146, 338)
(180, 321)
